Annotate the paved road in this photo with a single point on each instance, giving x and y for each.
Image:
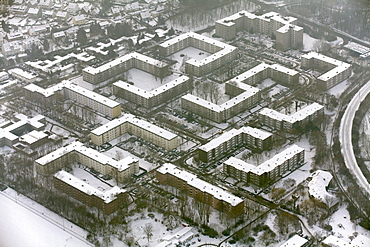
(345, 136)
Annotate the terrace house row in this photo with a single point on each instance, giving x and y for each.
(335, 71)
(218, 198)
(149, 99)
(107, 201)
(243, 96)
(51, 95)
(124, 63)
(280, 121)
(288, 35)
(231, 140)
(221, 53)
(267, 172)
(121, 170)
(130, 124)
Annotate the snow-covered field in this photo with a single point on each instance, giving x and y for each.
(24, 223)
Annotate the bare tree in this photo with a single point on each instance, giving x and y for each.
(148, 230)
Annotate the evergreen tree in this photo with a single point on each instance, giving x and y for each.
(81, 36)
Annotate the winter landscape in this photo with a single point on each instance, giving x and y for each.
(165, 123)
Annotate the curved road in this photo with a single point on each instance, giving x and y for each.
(345, 136)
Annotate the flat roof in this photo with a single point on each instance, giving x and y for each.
(266, 166)
(73, 87)
(200, 184)
(295, 117)
(106, 196)
(22, 73)
(129, 118)
(125, 58)
(78, 147)
(154, 92)
(295, 241)
(256, 133)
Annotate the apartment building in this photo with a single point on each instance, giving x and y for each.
(10, 132)
(263, 71)
(200, 190)
(121, 64)
(107, 201)
(231, 140)
(288, 35)
(267, 172)
(335, 71)
(248, 97)
(221, 53)
(121, 170)
(149, 99)
(76, 93)
(243, 96)
(280, 121)
(130, 124)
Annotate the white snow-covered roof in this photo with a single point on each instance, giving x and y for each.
(295, 117)
(154, 92)
(361, 49)
(295, 241)
(317, 186)
(33, 137)
(73, 87)
(266, 166)
(333, 241)
(199, 184)
(256, 133)
(22, 73)
(125, 58)
(106, 196)
(128, 118)
(361, 241)
(79, 148)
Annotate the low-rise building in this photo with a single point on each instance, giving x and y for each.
(130, 124)
(12, 48)
(335, 71)
(74, 92)
(121, 170)
(276, 120)
(23, 75)
(231, 140)
(79, 20)
(296, 241)
(121, 64)
(221, 53)
(200, 190)
(267, 172)
(107, 201)
(149, 99)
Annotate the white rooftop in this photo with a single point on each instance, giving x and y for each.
(86, 188)
(154, 92)
(78, 147)
(317, 186)
(20, 72)
(128, 118)
(266, 166)
(192, 180)
(295, 241)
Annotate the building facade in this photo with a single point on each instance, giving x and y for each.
(121, 170)
(108, 201)
(267, 172)
(252, 138)
(284, 29)
(216, 197)
(221, 53)
(74, 92)
(149, 99)
(335, 71)
(276, 120)
(130, 124)
(124, 63)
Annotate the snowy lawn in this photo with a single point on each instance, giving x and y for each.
(27, 223)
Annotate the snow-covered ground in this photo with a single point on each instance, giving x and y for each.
(308, 42)
(26, 223)
(146, 81)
